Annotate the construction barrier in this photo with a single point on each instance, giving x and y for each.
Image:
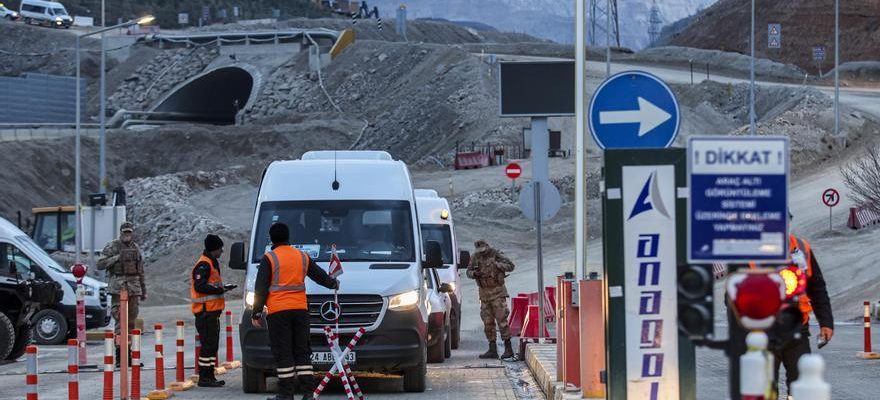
(180, 383)
(230, 363)
(340, 365)
(867, 354)
(810, 384)
(549, 304)
(31, 378)
(108, 365)
(473, 159)
(530, 326)
(136, 364)
(161, 392)
(518, 307)
(860, 217)
(72, 369)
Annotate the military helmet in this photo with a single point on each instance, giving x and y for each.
(126, 227)
(481, 243)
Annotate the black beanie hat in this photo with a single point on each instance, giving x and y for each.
(213, 242)
(279, 233)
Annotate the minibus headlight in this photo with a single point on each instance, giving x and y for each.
(402, 300)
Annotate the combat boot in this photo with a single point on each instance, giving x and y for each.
(493, 351)
(508, 350)
(207, 379)
(286, 388)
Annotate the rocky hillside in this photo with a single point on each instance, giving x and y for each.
(805, 24)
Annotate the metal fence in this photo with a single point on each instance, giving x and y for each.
(40, 98)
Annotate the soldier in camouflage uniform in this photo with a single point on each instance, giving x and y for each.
(124, 264)
(489, 267)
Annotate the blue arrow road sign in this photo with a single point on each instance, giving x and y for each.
(738, 203)
(634, 109)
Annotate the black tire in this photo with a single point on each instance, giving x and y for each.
(7, 336)
(415, 379)
(50, 327)
(253, 380)
(436, 352)
(27, 21)
(447, 344)
(23, 338)
(456, 326)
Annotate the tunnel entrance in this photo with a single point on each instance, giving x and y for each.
(214, 98)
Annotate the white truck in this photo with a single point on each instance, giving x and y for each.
(53, 323)
(363, 202)
(437, 224)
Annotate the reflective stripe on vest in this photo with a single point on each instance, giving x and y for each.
(287, 288)
(202, 301)
(276, 274)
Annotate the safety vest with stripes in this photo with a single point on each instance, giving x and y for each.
(287, 288)
(207, 302)
(796, 244)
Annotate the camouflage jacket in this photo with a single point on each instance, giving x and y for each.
(489, 268)
(125, 268)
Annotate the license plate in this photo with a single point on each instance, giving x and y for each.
(326, 357)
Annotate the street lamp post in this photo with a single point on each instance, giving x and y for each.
(78, 179)
(836, 69)
(102, 156)
(752, 127)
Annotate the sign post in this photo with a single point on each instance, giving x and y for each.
(774, 36)
(738, 208)
(831, 197)
(643, 224)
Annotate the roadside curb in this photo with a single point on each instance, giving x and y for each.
(541, 359)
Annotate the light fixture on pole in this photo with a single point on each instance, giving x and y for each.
(77, 181)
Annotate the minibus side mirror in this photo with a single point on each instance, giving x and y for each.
(237, 256)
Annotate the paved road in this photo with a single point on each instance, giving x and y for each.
(463, 375)
(850, 377)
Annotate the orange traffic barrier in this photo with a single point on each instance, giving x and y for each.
(868, 354)
(518, 308)
(72, 370)
(31, 378)
(136, 364)
(108, 365)
(161, 391)
(180, 383)
(530, 326)
(230, 363)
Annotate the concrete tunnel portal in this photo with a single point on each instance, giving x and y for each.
(214, 97)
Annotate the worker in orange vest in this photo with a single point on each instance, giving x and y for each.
(206, 295)
(814, 300)
(280, 287)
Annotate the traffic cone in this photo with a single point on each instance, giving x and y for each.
(531, 324)
(518, 308)
(867, 354)
(72, 370)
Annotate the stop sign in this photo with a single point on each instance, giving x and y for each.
(513, 170)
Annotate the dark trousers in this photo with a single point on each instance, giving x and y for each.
(208, 327)
(789, 355)
(289, 338)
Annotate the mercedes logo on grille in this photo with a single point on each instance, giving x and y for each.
(330, 311)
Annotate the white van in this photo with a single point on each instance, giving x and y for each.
(435, 219)
(53, 323)
(47, 13)
(363, 202)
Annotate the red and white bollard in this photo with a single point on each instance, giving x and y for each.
(180, 383)
(72, 369)
(136, 364)
(340, 362)
(230, 363)
(810, 385)
(867, 354)
(198, 351)
(31, 378)
(756, 378)
(108, 365)
(161, 391)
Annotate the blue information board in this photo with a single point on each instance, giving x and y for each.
(738, 203)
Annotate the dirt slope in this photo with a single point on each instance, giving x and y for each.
(805, 24)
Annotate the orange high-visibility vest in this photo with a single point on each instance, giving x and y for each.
(207, 302)
(287, 288)
(795, 244)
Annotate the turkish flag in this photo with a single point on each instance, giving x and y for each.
(335, 268)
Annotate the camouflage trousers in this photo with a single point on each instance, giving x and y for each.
(133, 308)
(495, 311)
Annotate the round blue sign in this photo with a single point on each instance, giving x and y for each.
(634, 109)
